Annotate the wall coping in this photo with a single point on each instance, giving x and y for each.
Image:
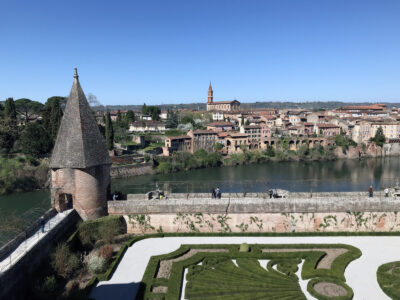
(351, 202)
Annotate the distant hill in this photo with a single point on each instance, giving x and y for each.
(317, 105)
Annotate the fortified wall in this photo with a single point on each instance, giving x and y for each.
(256, 212)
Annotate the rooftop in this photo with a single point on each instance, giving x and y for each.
(79, 143)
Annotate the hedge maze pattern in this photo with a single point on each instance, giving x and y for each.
(224, 272)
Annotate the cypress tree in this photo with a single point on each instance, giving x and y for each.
(55, 118)
(130, 116)
(109, 132)
(10, 112)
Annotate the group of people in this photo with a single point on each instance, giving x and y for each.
(273, 193)
(216, 193)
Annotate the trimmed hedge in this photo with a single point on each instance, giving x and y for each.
(91, 229)
(313, 292)
(116, 261)
(389, 279)
(285, 262)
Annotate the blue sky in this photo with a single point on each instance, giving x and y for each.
(165, 51)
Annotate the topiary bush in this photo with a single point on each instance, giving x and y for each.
(244, 248)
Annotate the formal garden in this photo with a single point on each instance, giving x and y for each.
(99, 255)
(249, 272)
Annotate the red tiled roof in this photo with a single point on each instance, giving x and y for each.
(220, 124)
(327, 126)
(180, 137)
(204, 132)
(222, 102)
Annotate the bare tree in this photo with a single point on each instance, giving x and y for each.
(92, 99)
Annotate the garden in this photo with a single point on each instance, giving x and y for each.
(249, 272)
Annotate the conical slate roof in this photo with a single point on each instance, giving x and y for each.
(79, 143)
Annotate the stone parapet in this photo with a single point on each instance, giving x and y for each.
(256, 203)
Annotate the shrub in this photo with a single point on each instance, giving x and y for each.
(164, 167)
(95, 263)
(49, 284)
(103, 228)
(244, 247)
(106, 252)
(107, 231)
(64, 261)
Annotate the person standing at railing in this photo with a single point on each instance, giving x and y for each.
(42, 224)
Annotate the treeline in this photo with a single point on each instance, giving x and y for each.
(310, 105)
(184, 161)
(22, 130)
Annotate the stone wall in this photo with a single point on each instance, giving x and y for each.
(131, 170)
(352, 211)
(15, 281)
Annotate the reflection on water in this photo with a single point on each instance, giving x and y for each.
(341, 175)
(29, 206)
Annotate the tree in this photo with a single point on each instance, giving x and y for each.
(153, 111)
(8, 126)
(52, 114)
(1, 110)
(92, 100)
(247, 122)
(35, 140)
(55, 118)
(130, 116)
(172, 119)
(27, 107)
(8, 135)
(379, 137)
(10, 112)
(187, 119)
(109, 132)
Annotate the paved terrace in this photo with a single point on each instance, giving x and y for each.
(256, 203)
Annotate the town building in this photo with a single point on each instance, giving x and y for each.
(177, 143)
(327, 130)
(233, 105)
(203, 139)
(147, 126)
(220, 126)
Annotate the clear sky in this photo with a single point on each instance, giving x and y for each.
(167, 51)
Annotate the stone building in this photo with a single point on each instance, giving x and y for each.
(147, 126)
(177, 143)
(80, 163)
(233, 105)
(203, 139)
(327, 129)
(220, 126)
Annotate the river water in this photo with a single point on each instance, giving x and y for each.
(340, 175)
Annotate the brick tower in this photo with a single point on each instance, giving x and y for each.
(210, 94)
(80, 164)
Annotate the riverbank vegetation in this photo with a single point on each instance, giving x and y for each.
(22, 174)
(184, 161)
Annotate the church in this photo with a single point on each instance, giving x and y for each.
(233, 105)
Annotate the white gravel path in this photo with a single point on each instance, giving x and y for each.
(360, 274)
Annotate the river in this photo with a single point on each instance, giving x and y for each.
(340, 175)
